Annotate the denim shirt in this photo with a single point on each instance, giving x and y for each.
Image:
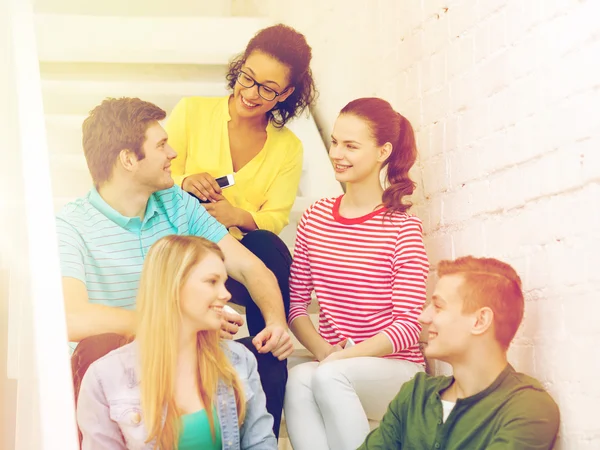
(109, 411)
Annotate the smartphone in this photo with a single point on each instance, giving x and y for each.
(349, 343)
(225, 181)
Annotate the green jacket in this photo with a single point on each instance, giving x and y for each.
(514, 412)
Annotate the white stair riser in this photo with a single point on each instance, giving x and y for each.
(136, 7)
(68, 97)
(174, 40)
(146, 57)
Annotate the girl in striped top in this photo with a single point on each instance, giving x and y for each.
(364, 258)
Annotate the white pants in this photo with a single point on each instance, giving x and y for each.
(328, 407)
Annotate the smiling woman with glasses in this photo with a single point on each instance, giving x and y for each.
(244, 135)
(264, 91)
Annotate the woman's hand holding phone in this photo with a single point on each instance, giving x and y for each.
(203, 186)
(224, 212)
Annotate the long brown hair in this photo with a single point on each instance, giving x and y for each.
(166, 269)
(387, 125)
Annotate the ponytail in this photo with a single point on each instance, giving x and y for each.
(402, 158)
(390, 126)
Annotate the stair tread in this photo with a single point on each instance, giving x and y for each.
(111, 72)
(76, 38)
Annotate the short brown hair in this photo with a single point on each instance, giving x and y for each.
(492, 283)
(114, 125)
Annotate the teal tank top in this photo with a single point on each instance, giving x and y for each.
(195, 433)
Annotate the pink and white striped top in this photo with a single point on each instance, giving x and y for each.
(368, 274)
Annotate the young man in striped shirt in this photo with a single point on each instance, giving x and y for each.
(475, 312)
(104, 237)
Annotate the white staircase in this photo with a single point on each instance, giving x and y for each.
(60, 58)
(90, 52)
(158, 59)
(36, 389)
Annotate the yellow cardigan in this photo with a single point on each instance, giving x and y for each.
(266, 187)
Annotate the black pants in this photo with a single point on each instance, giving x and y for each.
(271, 250)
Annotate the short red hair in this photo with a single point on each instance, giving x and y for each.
(492, 283)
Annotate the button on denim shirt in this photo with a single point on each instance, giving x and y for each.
(109, 411)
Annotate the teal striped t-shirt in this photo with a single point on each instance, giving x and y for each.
(106, 250)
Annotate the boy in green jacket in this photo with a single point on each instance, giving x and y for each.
(474, 314)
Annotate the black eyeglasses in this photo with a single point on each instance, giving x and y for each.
(265, 92)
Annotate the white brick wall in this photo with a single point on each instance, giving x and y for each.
(504, 96)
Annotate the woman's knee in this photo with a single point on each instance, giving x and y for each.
(300, 376)
(258, 238)
(267, 246)
(327, 380)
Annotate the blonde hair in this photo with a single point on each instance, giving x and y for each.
(166, 269)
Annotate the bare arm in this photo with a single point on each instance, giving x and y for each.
(262, 285)
(86, 319)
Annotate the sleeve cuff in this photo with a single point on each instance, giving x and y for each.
(387, 335)
(295, 313)
(400, 336)
(67, 272)
(392, 334)
(219, 234)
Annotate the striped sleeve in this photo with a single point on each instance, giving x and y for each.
(201, 223)
(301, 285)
(410, 269)
(71, 250)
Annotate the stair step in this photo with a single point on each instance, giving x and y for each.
(136, 7)
(134, 39)
(139, 73)
(63, 133)
(288, 234)
(145, 57)
(69, 175)
(79, 97)
(318, 178)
